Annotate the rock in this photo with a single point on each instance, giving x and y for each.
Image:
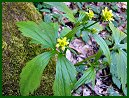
(16, 49)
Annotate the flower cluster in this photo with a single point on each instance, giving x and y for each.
(62, 43)
(107, 14)
(90, 14)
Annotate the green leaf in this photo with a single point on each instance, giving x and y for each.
(115, 7)
(45, 10)
(36, 42)
(82, 15)
(88, 76)
(116, 81)
(51, 30)
(96, 9)
(120, 61)
(38, 33)
(113, 66)
(39, 6)
(98, 55)
(64, 31)
(117, 34)
(113, 70)
(78, 34)
(56, 27)
(103, 46)
(31, 74)
(65, 77)
(73, 32)
(85, 36)
(125, 91)
(31, 29)
(120, 46)
(79, 4)
(93, 77)
(72, 50)
(47, 18)
(112, 92)
(97, 26)
(64, 8)
(81, 68)
(123, 46)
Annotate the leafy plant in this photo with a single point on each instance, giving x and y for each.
(48, 14)
(119, 58)
(46, 34)
(63, 8)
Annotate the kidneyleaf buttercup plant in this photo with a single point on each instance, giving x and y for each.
(46, 34)
(30, 77)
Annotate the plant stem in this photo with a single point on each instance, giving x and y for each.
(90, 25)
(111, 48)
(86, 59)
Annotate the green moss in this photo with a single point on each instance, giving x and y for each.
(4, 45)
(17, 50)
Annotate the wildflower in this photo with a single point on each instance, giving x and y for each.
(62, 43)
(90, 14)
(107, 14)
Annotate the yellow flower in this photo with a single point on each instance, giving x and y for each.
(90, 14)
(107, 14)
(62, 43)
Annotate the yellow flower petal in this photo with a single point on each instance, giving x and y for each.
(58, 40)
(63, 48)
(64, 39)
(106, 9)
(57, 45)
(67, 43)
(110, 11)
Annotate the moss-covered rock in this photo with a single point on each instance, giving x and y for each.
(16, 49)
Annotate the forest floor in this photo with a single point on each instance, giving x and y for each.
(104, 85)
